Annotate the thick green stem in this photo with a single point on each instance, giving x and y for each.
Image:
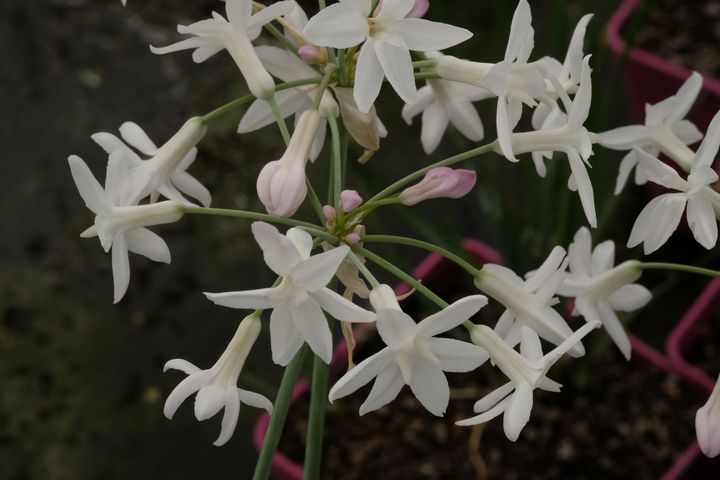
(316, 420)
(680, 268)
(280, 409)
(279, 119)
(422, 289)
(411, 242)
(442, 163)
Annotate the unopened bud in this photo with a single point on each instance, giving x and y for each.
(441, 182)
(350, 200)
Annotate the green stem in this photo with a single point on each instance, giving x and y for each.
(222, 212)
(279, 119)
(316, 420)
(336, 162)
(342, 72)
(411, 242)
(369, 207)
(422, 289)
(280, 410)
(363, 269)
(424, 63)
(281, 38)
(322, 87)
(427, 76)
(249, 98)
(442, 163)
(680, 268)
(315, 200)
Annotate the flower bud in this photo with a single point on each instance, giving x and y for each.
(707, 424)
(310, 55)
(329, 213)
(441, 182)
(350, 200)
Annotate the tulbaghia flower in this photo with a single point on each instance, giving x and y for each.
(440, 182)
(528, 302)
(298, 302)
(515, 398)
(121, 227)
(565, 133)
(281, 184)
(217, 387)
(443, 102)
(164, 173)
(389, 37)
(350, 200)
(707, 424)
(234, 34)
(418, 11)
(600, 289)
(661, 217)
(413, 355)
(287, 67)
(664, 131)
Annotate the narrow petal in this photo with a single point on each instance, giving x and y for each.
(285, 340)
(424, 36)
(255, 400)
(133, 134)
(624, 138)
(248, 299)
(387, 385)
(368, 78)
(434, 125)
(190, 186)
(548, 268)
(259, 114)
(394, 57)
(702, 221)
(628, 162)
(584, 186)
(283, 64)
(530, 346)
(629, 297)
(338, 26)
(238, 12)
(360, 375)
(603, 258)
(493, 398)
(90, 190)
(230, 416)
(504, 130)
(685, 98)
(423, 100)
(148, 244)
(120, 267)
(317, 271)
(601, 312)
(517, 413)
(466, 119)
(341, 308)
(310, 322)
(429, 385)
(394, 10)
(184, 389)
(687, 132)
(520, 28)
(457, 356)
(302, 241)
(395, 326)
(657, 222)
(182, 365)
(452, 316)
(268, 14)
(279, 252)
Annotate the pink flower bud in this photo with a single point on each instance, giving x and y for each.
(352, 238)
(310, 54)
(350, 200)
(418, 10)
(440, 182)
(707, 424)
(329, 213)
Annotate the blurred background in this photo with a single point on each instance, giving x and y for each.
(81, 383)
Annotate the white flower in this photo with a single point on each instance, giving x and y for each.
(287, 67)
(707, 424)
(442, 102)
(282, 185)
(120, 226)
(515, 398)
(565, 133)
(164, 173)
(528, 302)
(389, 36)
(413, 355)
(664, 131)
(217, 387)
(661, 217)
(234, 34)
(600, 289)
(298, 302)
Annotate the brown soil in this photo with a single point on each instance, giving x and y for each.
(629, 421)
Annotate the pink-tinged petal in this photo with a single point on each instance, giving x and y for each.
(350, 200)
(368, 78)
(341, 308)
(386, 388)
(440, 182)
(279, 252)
(339, 26)
(317, 271)
(360, 375)
(281, 187)
(419, 9)
(312, 326)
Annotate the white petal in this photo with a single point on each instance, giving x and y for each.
(504, 130)
(109, 143)
(530, 346)
(659, 172)
(359, 375)
(338, 25)
(182, 365)
(457, 356)
(368, 78)
(466, 119)
(629, 297)
(230, 417)
(603, 258)
(394, 57)
(709, 147)
(585, 188)
(255, 400)
(302, 241)
(657, 222)
(187, 387)
(451, 316)
(260, 115)
(238, 12)
(614, 328)
(687, 132)
(90, 190)
(387, 385)
(279, 252)
(189, 185)
(283, 64)
(685, 97)
(249, 299)
(424, 35)
(209, 401)
(429, 385)
(341, 308)
(394, 326)
(583, 97)
(519, 28)
(317, 271)
(548, 268)
(148, 244)
(434, 124)
(624, 138)
(422, 101)
(318, 141)
(396, 9)
(267, 15)
(702, 221)
(285, 340)
(120, 267)
(312, 325)
(517, 413)
(133, 134)
(487, 415)
(628, 162)
(492, 398)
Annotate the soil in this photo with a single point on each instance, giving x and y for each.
(630, 421)
(704, 351)
(684, 32)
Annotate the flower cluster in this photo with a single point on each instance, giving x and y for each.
(331, 68)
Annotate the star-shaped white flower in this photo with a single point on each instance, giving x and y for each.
(298, 302)
(661, 217)
(389, 37)
(444, 102)
(165, 171)
(529, 303)
(216, 387)
(234, 34)
(600, 289)
(515, 398)
(119, 224)
(413, 355)
(664, 131)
